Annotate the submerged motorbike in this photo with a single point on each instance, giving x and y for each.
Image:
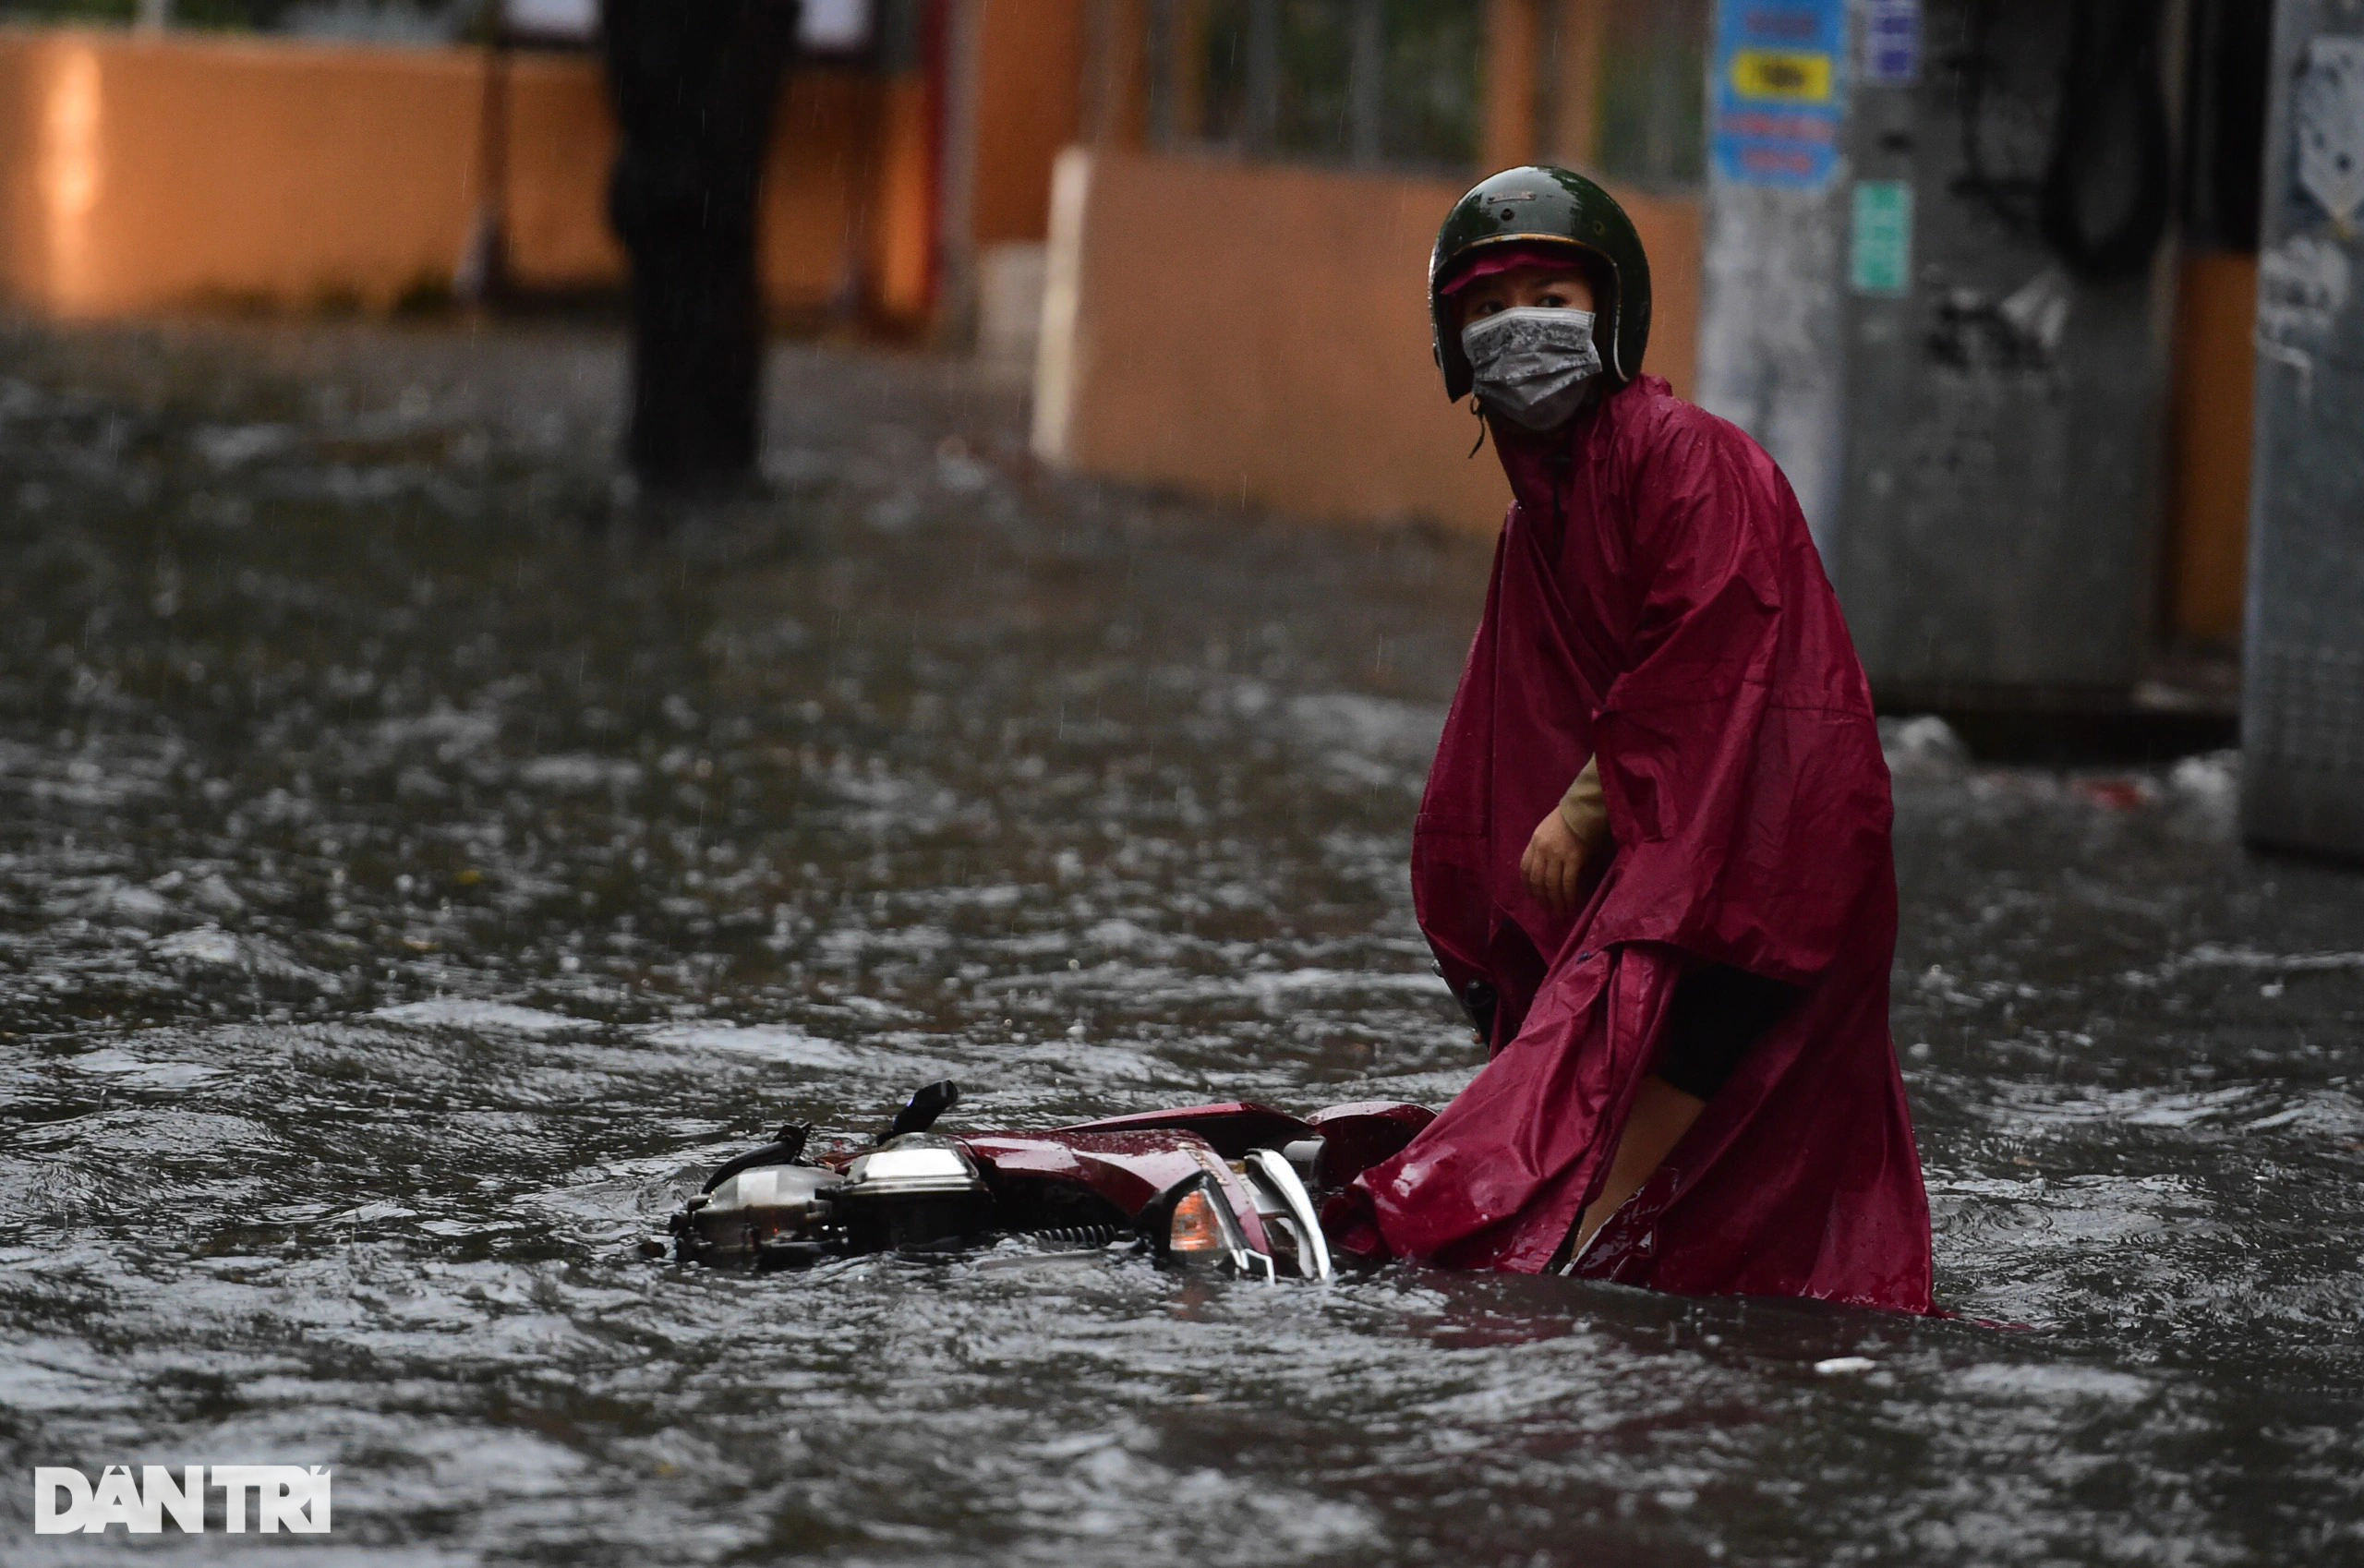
(1229, 1187)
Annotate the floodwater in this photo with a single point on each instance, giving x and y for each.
(410, 884)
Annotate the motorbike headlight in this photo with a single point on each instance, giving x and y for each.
(1196, 1233)
(1202, 1231)
(915, 1166)
(919, 1192)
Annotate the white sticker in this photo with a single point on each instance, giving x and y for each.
(556, 20)
(834, 27)
(2302, 285)
(2329, 112)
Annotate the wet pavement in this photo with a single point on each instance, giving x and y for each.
(411, 882)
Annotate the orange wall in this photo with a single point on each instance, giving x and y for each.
(1029, 106)
(140, 173)
(146, 173)
(2208, 451)
(1284, 361)
(559, 143)
(901, 221)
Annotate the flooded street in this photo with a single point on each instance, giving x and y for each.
(412, 881)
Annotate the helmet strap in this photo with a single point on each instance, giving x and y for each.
(1480, 410)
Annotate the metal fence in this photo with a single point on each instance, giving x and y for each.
(390, 21)
(1360, 81)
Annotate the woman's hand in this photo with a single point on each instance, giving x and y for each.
(1553, 863)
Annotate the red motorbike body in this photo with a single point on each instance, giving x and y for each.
(1129, 1177)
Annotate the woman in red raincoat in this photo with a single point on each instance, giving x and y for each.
(1653, 856)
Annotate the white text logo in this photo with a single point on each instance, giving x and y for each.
(286, 1497)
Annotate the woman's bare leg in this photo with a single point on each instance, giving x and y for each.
(1661, 1114)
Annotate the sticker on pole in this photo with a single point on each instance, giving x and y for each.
(1883, 248)
(1892, 43)
(1779, 91)
(2329, 110)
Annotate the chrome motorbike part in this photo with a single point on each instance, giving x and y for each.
(1280, 1227)
(1272, 1169)
(785, 1148)
(919, 1192)
(1075, 1239)
(913, 1165)
(758, 1215)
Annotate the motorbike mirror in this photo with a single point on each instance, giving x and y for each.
(926, 1103)
(784, 1150)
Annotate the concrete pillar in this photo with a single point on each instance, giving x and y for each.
(1578, 43)
(956, 324)
(1174, 56)
(1543, 70)
(1514, 44)
(1115, 90)
(1190, 70)
(2302, 718)
(1262, 121)
(1059, 344)
(1366, 80)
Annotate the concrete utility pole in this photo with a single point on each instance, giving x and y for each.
(1773, 293)
(1935, 287)
(1543, 68)
(964, 49)
(483, 273)
(1579, 39)
(1261, 129)
(1367, 81)
(1163, 72)
(2302, 714)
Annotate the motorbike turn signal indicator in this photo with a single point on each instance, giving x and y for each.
(1196, 1233)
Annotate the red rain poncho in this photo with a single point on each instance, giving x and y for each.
(1656, 599)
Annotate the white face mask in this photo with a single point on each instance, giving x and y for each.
(1532, 365)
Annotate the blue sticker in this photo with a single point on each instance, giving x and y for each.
(1779, 91)
(1892, 43)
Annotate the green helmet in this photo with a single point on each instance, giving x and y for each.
(1538, 203)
